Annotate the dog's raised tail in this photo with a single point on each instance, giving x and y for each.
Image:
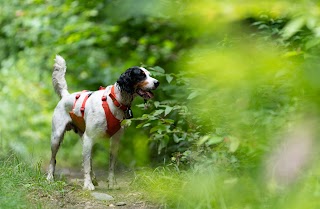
(58, 76)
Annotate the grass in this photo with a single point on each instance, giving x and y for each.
(213, 189)
(24, 186)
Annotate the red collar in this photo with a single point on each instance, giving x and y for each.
(112, 95)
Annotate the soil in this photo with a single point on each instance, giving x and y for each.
(75, 197)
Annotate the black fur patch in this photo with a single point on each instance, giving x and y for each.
(130, 78)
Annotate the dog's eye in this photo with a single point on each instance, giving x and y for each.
(142, 73)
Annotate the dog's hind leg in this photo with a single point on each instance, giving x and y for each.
(114, 147)
(93, 176)
(59, 126)
(87, 162)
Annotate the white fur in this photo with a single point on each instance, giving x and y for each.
(58, 80)
(149, 80)
(94, 118)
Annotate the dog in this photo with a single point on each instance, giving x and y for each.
(95, 114)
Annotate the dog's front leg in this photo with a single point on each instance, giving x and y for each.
(114, 147)
(87, 151)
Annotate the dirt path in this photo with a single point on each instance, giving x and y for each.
(74, 197)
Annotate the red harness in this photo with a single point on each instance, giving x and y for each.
(113, 124)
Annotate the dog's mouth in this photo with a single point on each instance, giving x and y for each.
(145, 94)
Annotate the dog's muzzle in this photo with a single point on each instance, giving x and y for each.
(146, 93)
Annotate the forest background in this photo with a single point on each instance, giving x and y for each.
(235, 118)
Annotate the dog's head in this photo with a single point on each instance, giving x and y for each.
(138, 80)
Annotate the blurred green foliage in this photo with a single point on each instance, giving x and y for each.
(98, 47)
(236, 79)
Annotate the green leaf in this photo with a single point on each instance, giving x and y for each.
(154, 129)
(203, 139)
(234, 144)
(177, 139)
(157, 112)
(210, 140)
(169, 121)
(158, 69)
(312, 43)
(126, 123)
(214, 140)
(163, 143)
(146, 125)
(159, 128)
(167, 110)
(140, 125)
(156, 104)
(169, 78)
(293, 27)
(193, 95)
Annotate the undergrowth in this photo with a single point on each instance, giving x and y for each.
(216, 189)
(24, 186)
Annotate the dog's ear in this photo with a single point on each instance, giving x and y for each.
(125, 81)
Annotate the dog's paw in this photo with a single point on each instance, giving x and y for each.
(88, 186)
(112, 184)
(50, 177)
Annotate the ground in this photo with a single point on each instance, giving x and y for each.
(74, 197)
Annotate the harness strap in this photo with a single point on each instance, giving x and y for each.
(84, 103)
(78, 120)
(113, 124)
(77, 97)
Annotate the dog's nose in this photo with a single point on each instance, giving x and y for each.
(156, 83)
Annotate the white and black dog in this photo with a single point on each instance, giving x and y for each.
(91, 114)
